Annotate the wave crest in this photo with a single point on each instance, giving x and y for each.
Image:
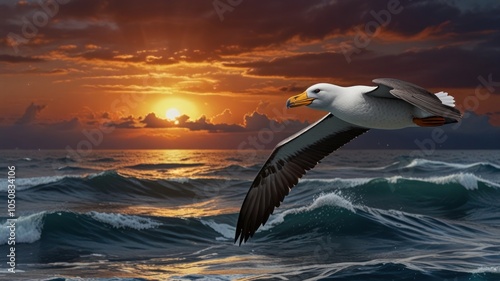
(467, 180)
(124, 221)
(28, 229)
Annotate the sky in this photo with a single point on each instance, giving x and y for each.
(125, 74)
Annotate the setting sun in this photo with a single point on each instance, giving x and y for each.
(172, 114)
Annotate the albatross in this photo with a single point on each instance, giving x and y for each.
(352, 111)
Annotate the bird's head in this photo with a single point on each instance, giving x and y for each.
(318, 96)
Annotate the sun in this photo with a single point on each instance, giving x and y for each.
(172, 114)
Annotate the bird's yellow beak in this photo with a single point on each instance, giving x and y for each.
(299, 100)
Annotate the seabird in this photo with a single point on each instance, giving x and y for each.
(352, 111)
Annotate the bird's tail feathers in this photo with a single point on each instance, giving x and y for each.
(446, 99)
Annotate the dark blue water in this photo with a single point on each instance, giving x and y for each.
(171, 215)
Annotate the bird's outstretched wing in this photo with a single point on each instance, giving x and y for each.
(288, 162)
(415, 95)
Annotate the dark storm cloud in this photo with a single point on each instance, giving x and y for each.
(444, 67)
(65, 125)
(181, 24)
(18, 59)
(125, 26)
(30, 114)
(261, 22)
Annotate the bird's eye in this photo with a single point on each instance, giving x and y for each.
(316, 91)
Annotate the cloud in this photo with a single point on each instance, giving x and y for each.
(202, 124)
(262, 105)
(30, 114)
(222, 117)
(462, 38)
(129, 124)
(442, 67)
(256, 121)
(18, 59)
(252, 122)
(111, 56)
(151, 121)
(293, 88)
(257, 51)
(65, 125)
(475, 131)
(30, 117)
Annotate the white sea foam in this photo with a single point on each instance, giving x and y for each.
(226, 230)
(339, 182)
(28, 229)
(331, 199)
(467, 180)
(25, 183)
(124, 221)
(103, 173)
(425, 162)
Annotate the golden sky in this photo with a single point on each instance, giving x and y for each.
(107, 72)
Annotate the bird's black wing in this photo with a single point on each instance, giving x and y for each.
(415, 95)
(288, 162)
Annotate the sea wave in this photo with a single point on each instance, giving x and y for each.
(60, 159)
(26, 183)
(338, 215)
(467, 180)
(29, 228)
(329, 199)
(422, 166)
(226, 230)
(103, 160)
(420, 162)
(124, 221)
(108, 182)
(74, 168)
(451, 196)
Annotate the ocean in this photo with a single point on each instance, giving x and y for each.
(171, 215)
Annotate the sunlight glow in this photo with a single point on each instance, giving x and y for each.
(164, 106)
(172, 114)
